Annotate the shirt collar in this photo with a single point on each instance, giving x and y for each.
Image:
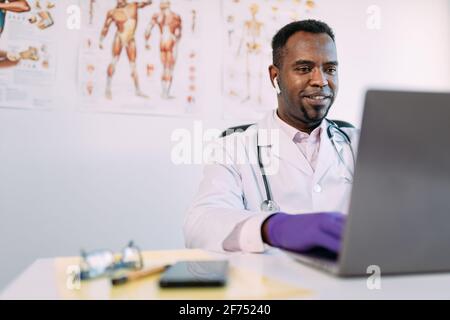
(299, 136)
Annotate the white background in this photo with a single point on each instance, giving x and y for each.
(71, 180)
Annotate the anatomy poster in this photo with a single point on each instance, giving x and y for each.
(27, 53)
(249, 26)
(139, 56)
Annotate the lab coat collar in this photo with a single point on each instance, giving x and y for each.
(282, 145)
(264, 126)
(327, 152)
(338, 138)
(285, 149)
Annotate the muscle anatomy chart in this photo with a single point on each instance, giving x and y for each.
(139, 56)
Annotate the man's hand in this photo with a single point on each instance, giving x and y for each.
(303, 232)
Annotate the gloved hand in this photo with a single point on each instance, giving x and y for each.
(303, 232)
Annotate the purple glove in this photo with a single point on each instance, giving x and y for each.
(303, 232)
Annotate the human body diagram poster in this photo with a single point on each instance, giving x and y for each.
(139, 57)
(249, 27)
(27, 53)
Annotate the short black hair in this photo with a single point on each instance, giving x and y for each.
(282, 36)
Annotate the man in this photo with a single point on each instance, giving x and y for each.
(169, 24)
(125, 16)
(10, 59)
(311, 182)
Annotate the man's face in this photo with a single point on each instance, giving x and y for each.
(307, 77)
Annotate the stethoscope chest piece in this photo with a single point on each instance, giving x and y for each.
(269, 206)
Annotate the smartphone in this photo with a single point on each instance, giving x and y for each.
(204, 273)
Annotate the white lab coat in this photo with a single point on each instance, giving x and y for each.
(228, 202)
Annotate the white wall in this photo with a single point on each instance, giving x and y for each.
(70, 180)
(410, 51)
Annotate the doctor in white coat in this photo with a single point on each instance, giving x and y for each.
(285, 181)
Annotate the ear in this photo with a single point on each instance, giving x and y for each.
(273, 73)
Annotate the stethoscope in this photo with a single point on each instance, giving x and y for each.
(269, 205)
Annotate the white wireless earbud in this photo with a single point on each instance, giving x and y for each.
(277, 87)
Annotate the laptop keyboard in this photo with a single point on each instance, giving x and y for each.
(321, 253)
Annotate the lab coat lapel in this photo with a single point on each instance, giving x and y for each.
(283, 147)
(327, 153)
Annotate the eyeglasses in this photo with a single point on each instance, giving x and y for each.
(100, 263)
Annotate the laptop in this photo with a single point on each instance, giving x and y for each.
(399, 214)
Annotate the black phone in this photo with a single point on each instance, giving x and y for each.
(204, 273)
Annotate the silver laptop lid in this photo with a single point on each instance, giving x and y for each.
(399, 217)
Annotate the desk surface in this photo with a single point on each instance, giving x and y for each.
(252, 276)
